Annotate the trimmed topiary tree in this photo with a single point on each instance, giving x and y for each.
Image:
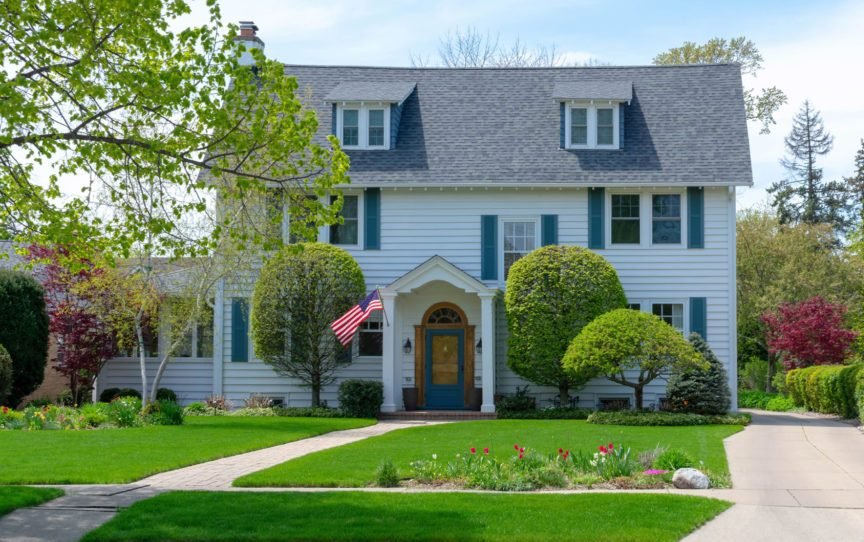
(5, 377)
(301, 290)
(630, 348)
(23, 330)
(552, 293)
(700, 391)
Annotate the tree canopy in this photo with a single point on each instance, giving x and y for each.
(301, 290)
(623, 342)
(108, 91)
(23, 330)
(552, 293)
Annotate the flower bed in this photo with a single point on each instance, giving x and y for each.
(632, 417)
(122, 412)
(611, 466)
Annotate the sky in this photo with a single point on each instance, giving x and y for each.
(812, 50)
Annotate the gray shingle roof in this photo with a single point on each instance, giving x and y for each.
(594, 90)
(684, 125)
(369, 91)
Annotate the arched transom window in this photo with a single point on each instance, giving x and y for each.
(444, 315)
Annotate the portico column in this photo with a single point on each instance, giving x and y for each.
(487, 334)
(388, 354)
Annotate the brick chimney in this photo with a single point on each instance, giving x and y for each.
(249, 37)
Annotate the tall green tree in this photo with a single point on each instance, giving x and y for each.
(301, 290)
(552, 293)
(804, 196)
(105, 89)
(785, 263)
(855, 188)
(24, 329)
(761, 104)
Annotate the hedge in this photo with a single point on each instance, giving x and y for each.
(645, 418)
(830, 389)
(556, 413)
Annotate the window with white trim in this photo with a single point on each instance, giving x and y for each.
(520, 238)
(348, 232)
(370, 339)
(666, 219)
(671, 313)
(625, 219)
(634, 306)
(592, 125)
(364, 126)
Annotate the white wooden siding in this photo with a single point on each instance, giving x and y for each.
(418, 224)
(190, 379)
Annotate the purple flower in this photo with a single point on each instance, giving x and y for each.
(655, 471)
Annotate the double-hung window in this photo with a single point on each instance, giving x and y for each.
(347, 233)
(371, 339)
(625, 219)
(592, 126)
(520, 238)
(671, 313)
(666, 219)
(364, 126)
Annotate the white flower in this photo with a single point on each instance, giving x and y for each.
(434, 456)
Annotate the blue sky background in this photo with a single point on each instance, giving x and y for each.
(811, 49)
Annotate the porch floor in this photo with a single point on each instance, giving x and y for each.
(441, 415)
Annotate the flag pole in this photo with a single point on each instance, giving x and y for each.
(386, 320)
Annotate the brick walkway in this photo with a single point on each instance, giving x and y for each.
(219, 474)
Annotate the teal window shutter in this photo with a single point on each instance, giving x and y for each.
(620, 126)
(239, 330)
(489, 247)
(372, 219)
(333, 121)
(561, 142)
(596, 205)
(699, 316)
(549, 230)
(695, 217)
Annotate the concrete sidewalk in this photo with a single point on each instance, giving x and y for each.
(795, 477)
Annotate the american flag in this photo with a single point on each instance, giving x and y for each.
(348, 323)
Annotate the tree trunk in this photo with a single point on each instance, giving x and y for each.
(638, 392)
(142, 356)
(316, 392)
(564, 394)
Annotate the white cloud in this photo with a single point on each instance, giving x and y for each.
(821, 63)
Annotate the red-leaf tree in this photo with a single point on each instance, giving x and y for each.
(811, 332)
(84, 342)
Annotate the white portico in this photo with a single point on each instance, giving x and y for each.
(439, 339)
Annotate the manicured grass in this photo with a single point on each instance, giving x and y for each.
(105, 456)
(189, 516)
(21, 497)
(354, 465)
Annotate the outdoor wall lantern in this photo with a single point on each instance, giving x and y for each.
(407, 346)
(479, 346)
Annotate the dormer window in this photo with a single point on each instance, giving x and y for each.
(364, 126)
(592, 126)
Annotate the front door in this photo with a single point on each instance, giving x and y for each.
(445, 369)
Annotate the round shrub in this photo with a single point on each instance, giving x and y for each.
(125, 412)
(698, 390)
(23, 330)
(674, 459)
(779, 404)
(5, 376)
(552, 293)
(361, 398)
(109, 394)
(164, 413)
(165, 394)
(300, 291)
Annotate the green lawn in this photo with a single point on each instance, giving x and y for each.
(105, 456)
(188, 516)
(20, 497)
(354, 465)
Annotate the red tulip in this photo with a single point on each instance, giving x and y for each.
(560, 451)
(486, 451)
(602, 449)
(473, 450)
(611, 447)
(515, 446)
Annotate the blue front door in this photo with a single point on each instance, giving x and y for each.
(445, 369)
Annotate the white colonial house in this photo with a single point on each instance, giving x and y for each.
(457, 173)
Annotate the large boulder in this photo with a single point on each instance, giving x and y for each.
(690, 479)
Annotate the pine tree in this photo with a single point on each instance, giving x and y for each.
(804, 196)
(697, 390)
(855, 187)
